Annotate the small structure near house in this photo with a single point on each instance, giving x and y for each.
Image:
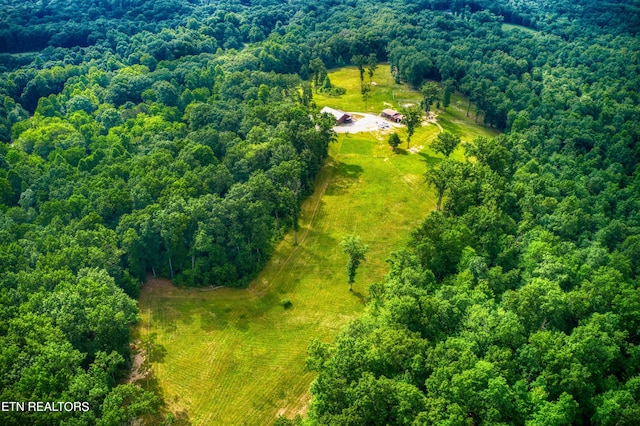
(392, 115)
(340, 116)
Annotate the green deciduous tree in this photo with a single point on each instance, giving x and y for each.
(394, 140)
(430, 93)
(356, 250)
(412, 117)
(440, 178)
(360, 61)
(372, 65)
(446, 143)
(319, 70)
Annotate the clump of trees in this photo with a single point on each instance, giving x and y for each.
(131, 164)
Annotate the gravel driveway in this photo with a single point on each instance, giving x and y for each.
(362, 122)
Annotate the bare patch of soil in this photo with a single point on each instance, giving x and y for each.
(139, 367)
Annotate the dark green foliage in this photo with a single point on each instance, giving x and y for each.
(532, 317)
(169, 145)
(140, 163)
(394, 140)
(446, 143)
(412, 118)
(430, 92)
(356, 250)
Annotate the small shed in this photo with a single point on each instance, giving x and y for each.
(340, 116)
(392, 115)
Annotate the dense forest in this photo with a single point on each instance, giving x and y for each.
(178, 138)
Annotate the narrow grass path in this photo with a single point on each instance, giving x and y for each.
(236, 356)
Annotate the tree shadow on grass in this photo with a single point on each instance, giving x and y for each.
(400, 151)
(181, 418)
(344, 175)
(358, 295)
(242, 323)
(349, 171)
(164, 416)
(155, 351)
(429, 160)
(213, 320)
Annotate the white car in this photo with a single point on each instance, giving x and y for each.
(383, 125)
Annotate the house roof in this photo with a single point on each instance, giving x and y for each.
(390, 112)
(335, 112)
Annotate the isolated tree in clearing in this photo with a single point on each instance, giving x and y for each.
(446, 143)
(360, 61)
(412, 117)
(394, 140)
(365, 89)
(372, 65)
(356, 249)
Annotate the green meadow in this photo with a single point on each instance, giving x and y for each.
(509, 27)
(384, 92)
(236, 356)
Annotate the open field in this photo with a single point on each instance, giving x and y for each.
(508, 27)
(231, 356)
(384, 94)
(387, 94)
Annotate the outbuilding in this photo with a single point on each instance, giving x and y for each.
(392, 115)
(340, 116)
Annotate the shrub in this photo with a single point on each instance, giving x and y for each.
(286, 303)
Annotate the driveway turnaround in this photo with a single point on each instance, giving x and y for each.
(362, 122)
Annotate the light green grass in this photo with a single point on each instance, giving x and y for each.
(233, 356)
(454, 119)
(509, 27)
(387, 94)
(385, 90)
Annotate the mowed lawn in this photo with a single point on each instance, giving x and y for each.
(387, 94)
(236, 356)
(384, 92)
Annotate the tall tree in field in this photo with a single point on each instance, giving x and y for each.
(372, 65)
(319, 71)
(446, 95)
(412, 117)
(446, 143)
(430, 93)
(356, 249)
(440, 178)
(360, 61)
(394, 140)
(365, 89)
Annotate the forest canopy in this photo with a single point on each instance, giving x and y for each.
(179, 139)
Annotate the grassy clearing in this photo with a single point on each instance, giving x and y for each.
(509, 27)
(387, 94)
(384, 94)
(230, 356)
